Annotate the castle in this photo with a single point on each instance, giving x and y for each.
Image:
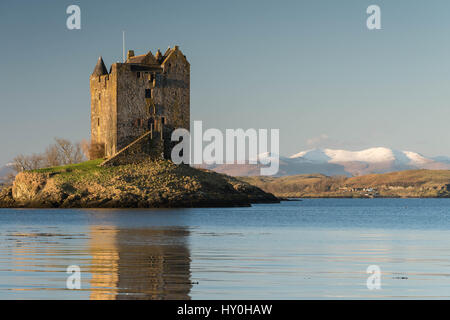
(141, 100)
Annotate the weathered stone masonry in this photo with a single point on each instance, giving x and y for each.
(145, 94)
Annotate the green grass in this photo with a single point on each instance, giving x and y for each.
(77, 171)
(83, 166)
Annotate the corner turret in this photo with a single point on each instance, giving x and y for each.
(100, 68)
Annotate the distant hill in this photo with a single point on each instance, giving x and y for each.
(411, 183)
(441, 159)
(341, 162)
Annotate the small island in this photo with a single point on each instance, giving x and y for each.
(150, 184)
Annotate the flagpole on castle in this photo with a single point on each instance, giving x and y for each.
(123, 43)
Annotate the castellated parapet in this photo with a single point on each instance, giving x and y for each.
(146, 95)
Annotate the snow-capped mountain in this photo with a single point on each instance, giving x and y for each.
(372, 155)
(373, 160)
(340, 162)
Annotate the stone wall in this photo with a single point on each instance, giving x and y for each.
(133, 111)
(172, 96)
(149, 146)
(103, 111)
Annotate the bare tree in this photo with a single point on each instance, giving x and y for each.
(52, 156)
(36, 161)
(22, 162)
(62, 152)
(78, 155)
(66, 149)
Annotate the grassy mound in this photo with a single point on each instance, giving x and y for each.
(150, 184)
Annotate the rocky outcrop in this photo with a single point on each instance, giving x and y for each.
(146, 185)
(28, 185)
(6, 199)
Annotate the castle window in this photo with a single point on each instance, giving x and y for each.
(148, 93)
(99, 96)
(98, 122)
(138, 74)
(138, 123)
(163, 120)
(150, 123)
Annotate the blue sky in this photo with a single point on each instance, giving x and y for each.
(310, 68)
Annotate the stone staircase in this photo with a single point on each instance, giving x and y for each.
(148, 146)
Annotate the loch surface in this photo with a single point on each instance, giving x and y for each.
(311, 249)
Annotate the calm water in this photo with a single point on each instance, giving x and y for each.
(317, 248)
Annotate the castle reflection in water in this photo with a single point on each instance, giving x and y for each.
(139, 263)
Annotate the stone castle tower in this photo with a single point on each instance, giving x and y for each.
(148, 95)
